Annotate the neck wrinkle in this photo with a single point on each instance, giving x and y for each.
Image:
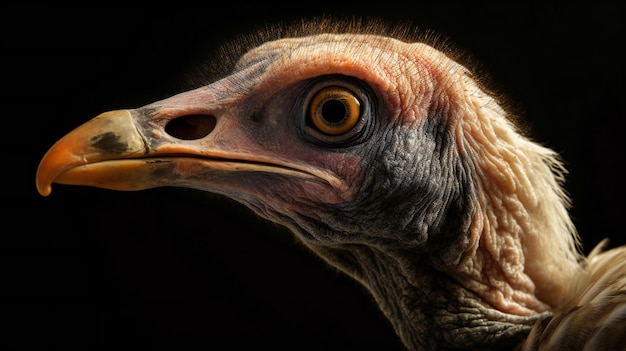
(427, 308)
(495, 270)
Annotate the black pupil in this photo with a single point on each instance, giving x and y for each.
(333, 111)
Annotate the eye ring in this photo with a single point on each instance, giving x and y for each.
(334, 110)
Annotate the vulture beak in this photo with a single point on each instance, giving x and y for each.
(104, 152)
(173, 142)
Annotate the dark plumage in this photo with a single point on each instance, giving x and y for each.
(390, 160)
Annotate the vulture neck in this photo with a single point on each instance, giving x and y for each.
(524, 249)
(429, 310)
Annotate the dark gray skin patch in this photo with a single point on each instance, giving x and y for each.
(417, 195)
(108, 142)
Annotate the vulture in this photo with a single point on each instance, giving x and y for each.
(387, 157)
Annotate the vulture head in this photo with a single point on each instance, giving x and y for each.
(383, 154)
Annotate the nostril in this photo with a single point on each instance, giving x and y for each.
(191, 127)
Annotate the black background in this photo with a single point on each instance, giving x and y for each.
(170, 268)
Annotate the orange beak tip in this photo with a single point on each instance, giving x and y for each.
(45, 191)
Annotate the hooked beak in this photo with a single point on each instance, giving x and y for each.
(86, 155)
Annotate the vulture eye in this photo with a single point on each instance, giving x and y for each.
(334, 110)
